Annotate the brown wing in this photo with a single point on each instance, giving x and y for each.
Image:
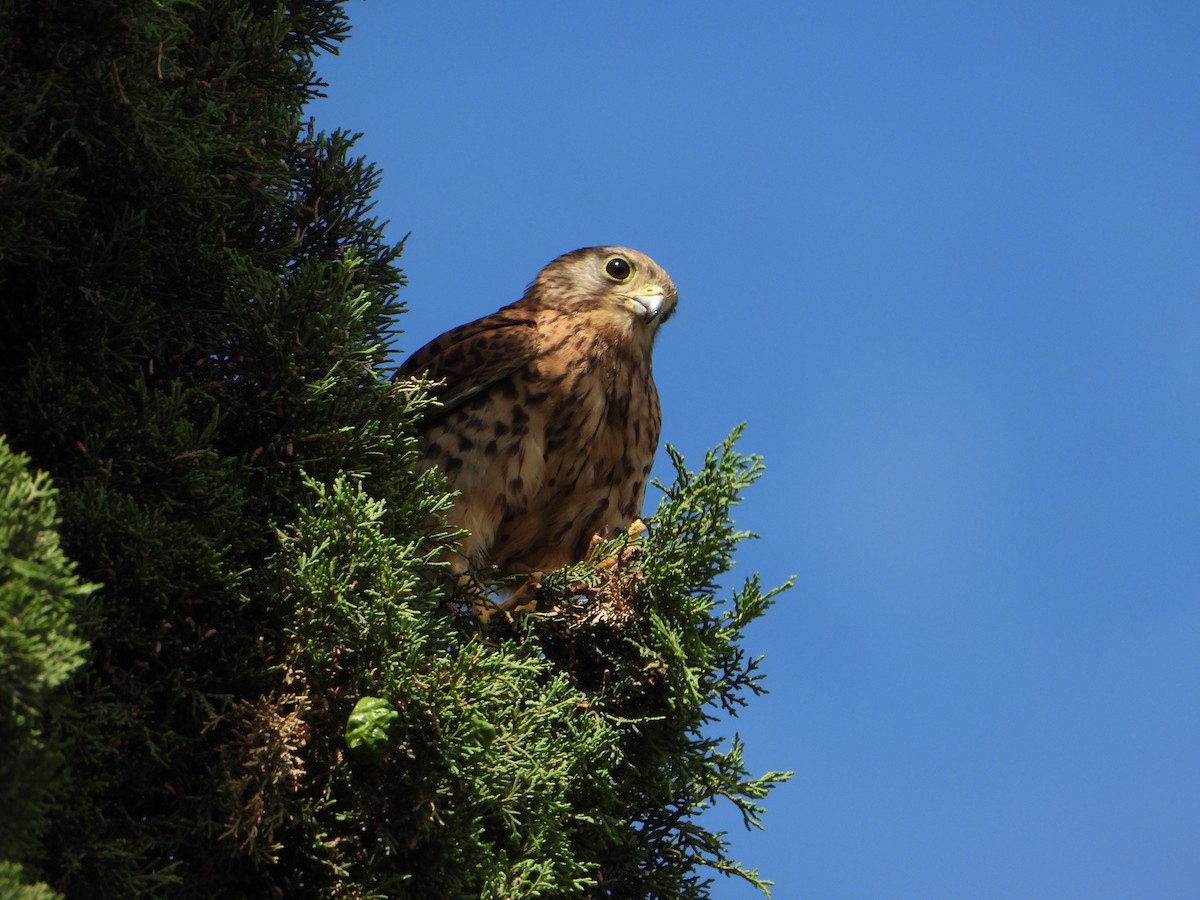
(473, 357)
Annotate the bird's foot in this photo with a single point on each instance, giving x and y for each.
(524, 598)
(635, 530)
(476, 607)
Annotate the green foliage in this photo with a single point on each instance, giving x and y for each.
(565, 755)
(487, 744)
(13, 887)
(661, 656)
(280, 693)
(39, 650)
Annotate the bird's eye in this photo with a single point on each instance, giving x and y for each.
(618, 268)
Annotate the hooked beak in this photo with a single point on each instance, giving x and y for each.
(645, 306)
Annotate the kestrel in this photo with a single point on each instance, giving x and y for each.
(550, 418)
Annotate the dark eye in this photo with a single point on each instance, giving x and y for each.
(618, 268)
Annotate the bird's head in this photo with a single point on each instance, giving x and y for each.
(620, 285)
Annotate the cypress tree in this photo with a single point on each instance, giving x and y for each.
(255, 686)
(39, 650)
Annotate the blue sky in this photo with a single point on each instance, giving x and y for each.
(944, 259)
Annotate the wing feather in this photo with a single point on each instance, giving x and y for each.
(474, 357)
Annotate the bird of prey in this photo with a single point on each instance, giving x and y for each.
(550, 418)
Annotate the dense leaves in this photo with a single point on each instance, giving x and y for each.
(39, 650)
(271, 689)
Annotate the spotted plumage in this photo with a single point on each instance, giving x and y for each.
(550, 417)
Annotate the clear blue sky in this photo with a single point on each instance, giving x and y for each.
(944, 259)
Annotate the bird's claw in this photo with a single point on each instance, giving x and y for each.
(524, 598)
(636, 529)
